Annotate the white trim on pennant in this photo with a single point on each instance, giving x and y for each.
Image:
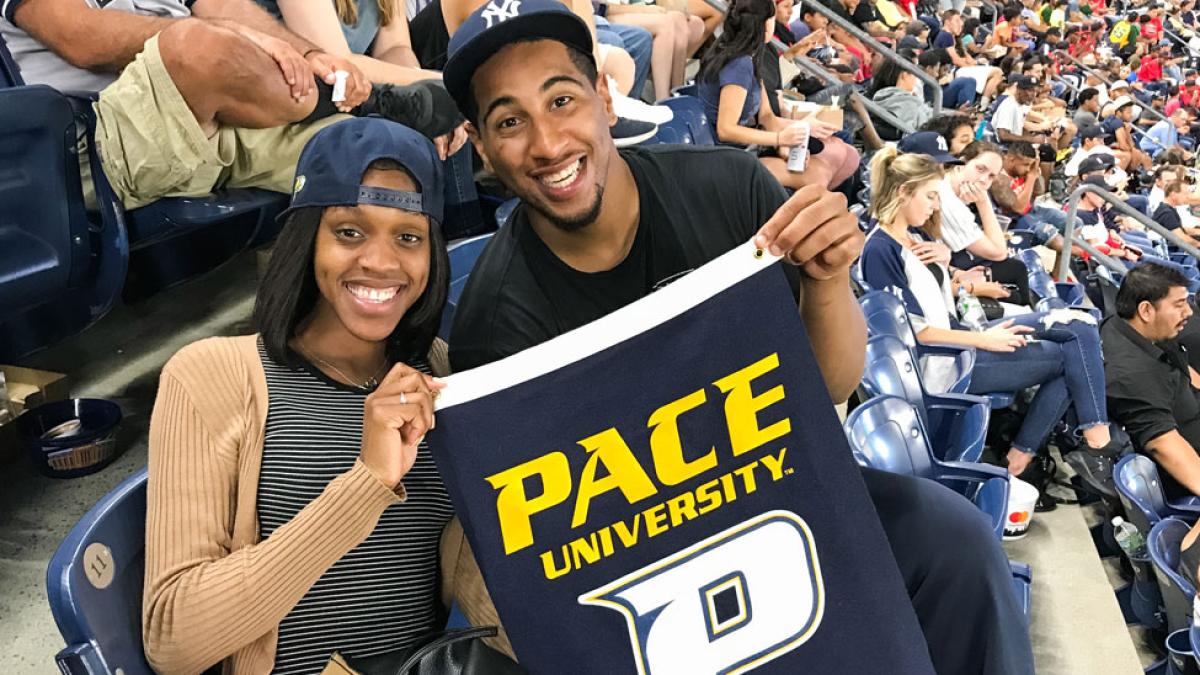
(634, 319)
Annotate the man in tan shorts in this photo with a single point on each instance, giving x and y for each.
(199, 94)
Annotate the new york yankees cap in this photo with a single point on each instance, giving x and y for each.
(333, 162)
(502, 22)
(928, 143)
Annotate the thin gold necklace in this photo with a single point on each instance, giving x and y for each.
(367, 385)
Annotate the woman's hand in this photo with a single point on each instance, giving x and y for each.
(970, 192)
(821, 130)
(1002, 338)
(395, 418)
(1018, 461)
(792, 134)
(972, 276)
(932, 252)
(989, 289)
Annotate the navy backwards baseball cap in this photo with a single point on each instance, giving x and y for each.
(1097, 181)
(928, 143)
(1091, 131)
(1098, 162)
(333, 162)
(502, 22)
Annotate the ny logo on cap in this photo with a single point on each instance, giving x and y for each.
(941, 141)
(500, 12)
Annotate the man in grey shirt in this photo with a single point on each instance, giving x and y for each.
(1089, 108)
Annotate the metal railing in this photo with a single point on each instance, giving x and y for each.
(1125, 209)
(807, 65)
(875, 45)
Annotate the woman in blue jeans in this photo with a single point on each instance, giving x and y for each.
(1059, 352)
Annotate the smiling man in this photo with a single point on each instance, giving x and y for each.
(598, 229)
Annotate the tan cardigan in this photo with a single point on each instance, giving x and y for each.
(213, 592)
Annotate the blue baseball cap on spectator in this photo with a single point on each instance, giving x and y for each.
(502, 22)
(333, 162)
(928, 143)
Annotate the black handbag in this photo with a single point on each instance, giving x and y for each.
(451, 652)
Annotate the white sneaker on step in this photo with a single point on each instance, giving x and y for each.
(633, 109)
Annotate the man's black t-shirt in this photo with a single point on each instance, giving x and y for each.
(1149, 390)
(695, 204)
(1167, 216)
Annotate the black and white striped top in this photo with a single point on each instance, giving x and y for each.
(383, 593)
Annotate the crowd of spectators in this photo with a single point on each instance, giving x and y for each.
(963, 128)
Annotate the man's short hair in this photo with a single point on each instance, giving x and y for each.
(1088, 94)
(1148, 282)
(915, 28)
(1173, 187)
(949, 14)
(1021, 149)
(583, 62)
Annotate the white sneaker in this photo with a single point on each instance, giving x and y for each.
(633, 109)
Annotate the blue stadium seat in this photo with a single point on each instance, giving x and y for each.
(505, 211)
(1141, 492)
(689, 111)
(94, 584)
(886, 433)
(1041, 283)
(886, 315)
(1023, 586)
(59, 271)
(463, 255)
(1177, 593)
(957, 423)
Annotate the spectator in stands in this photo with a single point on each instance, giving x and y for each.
(1012, 122)
(903, 95)
(1016, 188)
(732, 91)
(294, 506)
(1061, 354)
(1091, 144)
(676, 37)
(916, 36)
(958, 130)
(969, 227)
(1118, 131)
(952, 27)
(1123, 37)
(636, 121)
(373, 35)
(1168, 133)
(1099, 227)
(715, 199)
(1151, 388)
(1175, 196)
(1088, 103)
(172, 123)
(957, 91)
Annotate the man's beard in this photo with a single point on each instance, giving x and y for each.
(578, 222)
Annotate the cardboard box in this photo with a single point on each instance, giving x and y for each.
(27, 388)
(803, 109)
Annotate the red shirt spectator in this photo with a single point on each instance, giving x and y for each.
(1099, 8)
(1152, 30)
(1172, 105)
(1189, 94)
(1151, 70)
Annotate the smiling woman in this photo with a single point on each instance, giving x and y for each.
(330, 540)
